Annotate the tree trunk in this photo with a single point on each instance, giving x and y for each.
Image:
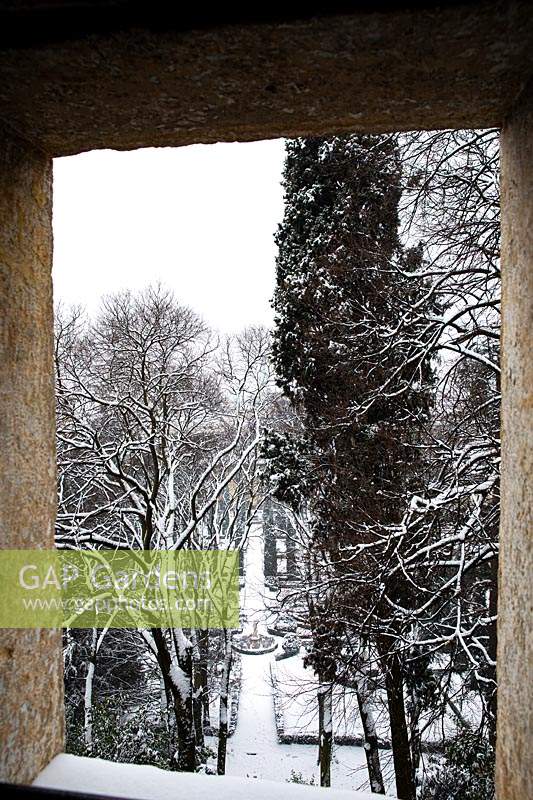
(88, 696)
(414, 732)
(165, 701)
(198, 691)
(325, 732)
(203, 650)
(401, 751)
(177, 673)
(371, 739)
(181, 676)
(270, 555)
(223, 722)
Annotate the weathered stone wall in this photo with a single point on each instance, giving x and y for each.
(515, 628)
(31, 680)
(436, 65)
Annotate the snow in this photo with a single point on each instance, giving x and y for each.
(95, 776)
(297, 688)
(179, 679)
(253, 750)
(327, 723)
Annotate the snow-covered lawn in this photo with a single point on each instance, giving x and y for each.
(296, 690)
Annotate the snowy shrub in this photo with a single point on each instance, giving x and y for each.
(466, 772)
(285, 624)
(290, 644)
(297, 777)
(116, 736)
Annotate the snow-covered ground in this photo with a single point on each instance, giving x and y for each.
(297, 687)
(253, 596)
(297, 690)
(253, 750)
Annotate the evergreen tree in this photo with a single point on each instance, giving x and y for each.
(342, 293)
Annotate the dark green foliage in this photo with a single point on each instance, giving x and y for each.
(133, 737)
(288, 460)
(341, 293)
(359, 376)
(420, 680)
(337, 280)
(465, 773)
(324, 654)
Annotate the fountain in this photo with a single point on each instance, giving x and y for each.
(254, 643)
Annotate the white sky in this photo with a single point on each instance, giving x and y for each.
(200, 219)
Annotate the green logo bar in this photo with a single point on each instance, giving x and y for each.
(119, 589)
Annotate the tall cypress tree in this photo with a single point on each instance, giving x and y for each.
(345, 360)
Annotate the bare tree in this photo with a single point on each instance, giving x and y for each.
(154, 427)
